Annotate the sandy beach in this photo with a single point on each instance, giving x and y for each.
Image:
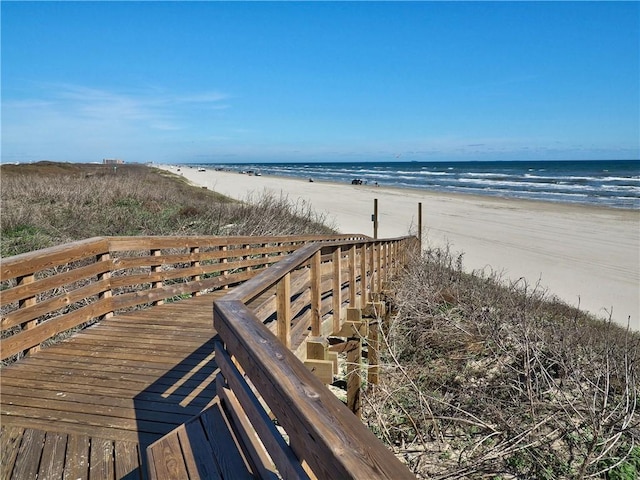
(586, 256)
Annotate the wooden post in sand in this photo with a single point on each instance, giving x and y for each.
(420, 225)
(374, 217)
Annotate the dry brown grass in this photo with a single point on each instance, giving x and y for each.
(47, 203)
(491, 380)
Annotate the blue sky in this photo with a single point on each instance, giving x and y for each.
(306, 81)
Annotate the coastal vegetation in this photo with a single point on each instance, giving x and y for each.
(482, 378)
(47, 203)
(487, 378)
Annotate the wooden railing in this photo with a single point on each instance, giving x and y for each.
(51, 291)
(323, 433)
(273, 326)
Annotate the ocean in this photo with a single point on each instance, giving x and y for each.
(611, 183)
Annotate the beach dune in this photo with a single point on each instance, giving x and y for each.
(586, 256)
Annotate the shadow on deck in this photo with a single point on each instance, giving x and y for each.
(88, 407)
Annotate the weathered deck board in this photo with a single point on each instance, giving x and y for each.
(204, 448)
(87, 407)
(51, 456)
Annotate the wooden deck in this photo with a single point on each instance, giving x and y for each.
(88, 407)
(139, 395)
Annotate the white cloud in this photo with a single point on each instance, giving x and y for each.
(65, 121)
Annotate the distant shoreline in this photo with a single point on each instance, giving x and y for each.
(532, 203)
(614, 184)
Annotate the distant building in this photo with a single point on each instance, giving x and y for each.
(112, 161)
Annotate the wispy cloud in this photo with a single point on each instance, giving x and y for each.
(66, 117)
(142, 105)
(206, 98)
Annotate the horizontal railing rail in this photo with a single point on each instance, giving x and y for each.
(51, 291)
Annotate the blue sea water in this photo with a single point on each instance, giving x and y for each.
(611, 183)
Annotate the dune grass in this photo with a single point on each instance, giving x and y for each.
(48, 203)
(489, 379)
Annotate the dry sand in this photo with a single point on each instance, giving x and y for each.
(586, 256)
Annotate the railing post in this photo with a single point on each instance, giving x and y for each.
(157, 269)
(195, 264)
(224, 259)
(379, 262)
(317, 358)
(363, 274)
(265, 256)
(420, 225)
(392, 258)
(316, 281)
(246, 257)
(352, 277)
(373, 348)
(25, 303)
(375, 218)
(336, 295)
(283, 312)
(105, 257)
(354, 376)
(372, 270)
(383, 264)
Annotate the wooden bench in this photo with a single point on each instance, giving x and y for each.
(234, 438)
